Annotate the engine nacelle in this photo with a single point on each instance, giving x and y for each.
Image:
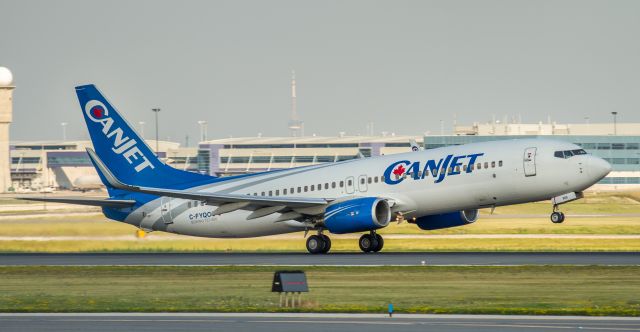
(447, 220)
(357, 215)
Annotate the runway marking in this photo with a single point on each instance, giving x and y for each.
(327, 315)
(318, 265)
(550, 326)
(332, 322)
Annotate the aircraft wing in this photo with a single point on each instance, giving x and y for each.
(233, 202)
(116, 203)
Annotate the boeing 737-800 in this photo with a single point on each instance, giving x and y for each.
(435, 188)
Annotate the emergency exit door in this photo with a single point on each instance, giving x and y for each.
(165, 210)
(530, 161)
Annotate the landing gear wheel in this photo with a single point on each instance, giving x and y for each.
(380, 243)
(327, 243)
(557, 217)
(315, 244)
(368, 242)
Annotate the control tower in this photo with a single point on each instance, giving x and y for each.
(6, 111)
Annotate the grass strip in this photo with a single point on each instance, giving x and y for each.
(538, 290)
(338, 245)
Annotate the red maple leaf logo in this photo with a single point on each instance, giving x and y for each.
(399, 171)
(98, 112)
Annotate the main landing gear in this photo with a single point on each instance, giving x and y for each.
(321, 244)
(318, 244)
(371, 242)
(557, 217)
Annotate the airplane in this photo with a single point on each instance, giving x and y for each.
(433, 189)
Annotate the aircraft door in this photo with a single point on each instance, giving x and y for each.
(165, 210)
(362, 183)
(530, 161)
(349, 185)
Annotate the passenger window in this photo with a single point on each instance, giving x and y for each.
(341, 184)
(270, 193)
(362, 181)
(500, 163)
(263, 193)
(299, 189)
(333, 184)
(479, 166)
(370, 180)
(320, 186)
(255, 194)
(284, 191)
(493, 164)
(312, 187)
(464, 168)
(306, 188)
(486, 164)
(382, 178)
(326, 185)
(349, 182)
(375, 179)
(457, 169)
(292, 190)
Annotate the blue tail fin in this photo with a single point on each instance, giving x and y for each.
(120, 147)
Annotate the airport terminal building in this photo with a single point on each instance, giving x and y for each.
(65, 165)
(257, 154)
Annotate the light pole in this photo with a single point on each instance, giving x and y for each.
(156, 111)
(64, 131)
(615, 123)
(141, 123)
(203, 130)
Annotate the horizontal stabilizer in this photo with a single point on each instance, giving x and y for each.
(114, 203)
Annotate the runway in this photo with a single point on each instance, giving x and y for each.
(307, 322)
(335, 259)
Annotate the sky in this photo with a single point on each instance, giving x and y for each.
(403, 65)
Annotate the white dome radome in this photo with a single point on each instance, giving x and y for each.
(6, 78)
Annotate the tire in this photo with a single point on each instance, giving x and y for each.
(315, 244)
(380, 241)
(327, 244)
(368, 243)
(561, 217)
(557, 218)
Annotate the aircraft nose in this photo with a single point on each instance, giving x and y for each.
(598, 167)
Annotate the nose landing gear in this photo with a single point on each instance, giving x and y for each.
(557, 217)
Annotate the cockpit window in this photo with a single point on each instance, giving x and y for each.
(578, 152)
(568, 153)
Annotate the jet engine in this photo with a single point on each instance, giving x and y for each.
(357, 215)
(446, 220)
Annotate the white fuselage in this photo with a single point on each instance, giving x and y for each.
(511, 172)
